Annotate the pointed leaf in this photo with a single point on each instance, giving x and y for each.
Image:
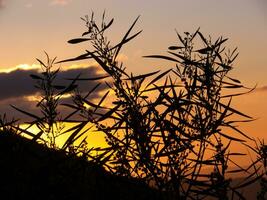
(81, 57)
(235, 111)
(204, 50)
(86, 33)
(77, 130)
(203, 38)
(92, 90)
(78, 40)
(175, 47)
(234, 80)
(125, 38)
(157, 78)
(41, 62)
(108, 25)
(142, 76)
(26, 113)
(180, 38)
(109, 113)
(25, 131)
(38, 135)
(161, 57)
(124, 42)
(101, 100)
(230, 137)
(90, 79)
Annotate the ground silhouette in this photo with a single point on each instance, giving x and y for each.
(30, 170)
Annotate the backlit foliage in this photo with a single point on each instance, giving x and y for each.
(167, 127)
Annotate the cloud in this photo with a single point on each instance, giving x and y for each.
(60, 2)
(17, 88)
(20, 103)
(18, 83)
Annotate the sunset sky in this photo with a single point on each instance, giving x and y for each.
(30, 27)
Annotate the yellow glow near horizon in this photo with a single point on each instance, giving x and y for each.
(93, 138)
(20, 67)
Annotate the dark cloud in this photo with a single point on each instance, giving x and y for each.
(21, 103)
(30, 106)
(17, 85)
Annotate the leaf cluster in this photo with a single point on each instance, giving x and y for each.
(165, 128)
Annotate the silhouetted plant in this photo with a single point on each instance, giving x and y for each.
(6, 125)
(164, 128)
(201, 110)
(168, 139)
(259, 167)
(262, 152)
(49, 123)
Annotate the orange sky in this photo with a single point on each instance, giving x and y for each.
(28, 27)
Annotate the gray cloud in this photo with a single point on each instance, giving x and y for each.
(29, 106)
(17, 85)
(20, 103)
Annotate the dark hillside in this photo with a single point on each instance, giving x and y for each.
(31, 171)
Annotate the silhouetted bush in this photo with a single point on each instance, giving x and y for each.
(163, 128)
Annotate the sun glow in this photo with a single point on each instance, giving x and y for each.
(94, 138)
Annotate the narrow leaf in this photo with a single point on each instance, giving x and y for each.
(125, 38)
(26, 113)
(78, 40)
(109, 113)
(101, 101)
(89, 79)
(158, 78)
(175, 47)
(70, 139)
(142, 76)
(108, 25)
(230, 137)
(161, 57)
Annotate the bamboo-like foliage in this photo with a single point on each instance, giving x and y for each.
(166, 128)
(259, 167)
(49, 123)
(167, 140)
(6, 125)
